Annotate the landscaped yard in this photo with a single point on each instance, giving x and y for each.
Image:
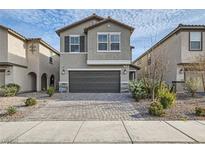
(94, 107)
(184, 108)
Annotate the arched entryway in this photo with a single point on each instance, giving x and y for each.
(32, 79)
(52, 80)
(44, 81)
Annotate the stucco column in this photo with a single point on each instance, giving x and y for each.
(38, 82)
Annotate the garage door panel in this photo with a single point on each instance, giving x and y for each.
(94, 81)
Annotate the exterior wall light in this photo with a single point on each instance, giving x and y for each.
(8, 72)
(124, 70)
(63, 71)
(181, 71)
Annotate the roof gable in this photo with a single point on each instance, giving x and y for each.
(94, 16)
(176, 30)
(106, 20)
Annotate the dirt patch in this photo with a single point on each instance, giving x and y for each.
(184, 109)
(18, 102)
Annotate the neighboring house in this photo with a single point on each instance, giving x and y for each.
(31, 63)
(95, 56)
(181, 51)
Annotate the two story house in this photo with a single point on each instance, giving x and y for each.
(181, 51)
(95, 56)
(29, 62)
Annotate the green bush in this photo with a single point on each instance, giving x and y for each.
(138, 89)
(14, 85)
(9, 91)
(11, 110)
(166, 98)
(191, 86)
(51, 91)
(156, 109)
(200, 111)
(30, 102)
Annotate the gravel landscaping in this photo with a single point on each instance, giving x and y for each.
(94, 107)
(184, 108)
(18, 103)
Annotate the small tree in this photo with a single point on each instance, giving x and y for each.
(153, 75)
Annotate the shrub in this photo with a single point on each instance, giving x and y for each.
(50, 91)
(191, 86)
(11, 110)
(200, 111)
(9, 91)
(30, 102)
(14, 85)
(166, 98)
(156, 109)
(137, 89)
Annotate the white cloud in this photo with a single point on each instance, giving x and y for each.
(150, 25)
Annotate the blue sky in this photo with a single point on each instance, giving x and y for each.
(150, 25)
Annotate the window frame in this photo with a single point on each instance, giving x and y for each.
(201, 41)
(70, 44)
(103, 33)
(109, 41)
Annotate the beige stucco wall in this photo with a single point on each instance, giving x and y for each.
(2, 77)
(16, 50)
(3, 45)
(77, 62)
(169, 52)
(125, 52)
(190, 56)
(25, 61)
(45, 66)
(77, 30)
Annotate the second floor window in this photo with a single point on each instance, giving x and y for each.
(108, 41)
(115, 42)
(74, 43)
(103, 42)
(195, 42)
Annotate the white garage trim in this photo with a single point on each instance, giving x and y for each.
(92, 69)
(108, 62)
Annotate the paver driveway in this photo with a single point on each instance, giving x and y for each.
(84, 106)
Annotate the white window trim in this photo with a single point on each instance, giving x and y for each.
(190, 49)
(108, 42)
(115, 33)
(103, 33)
(74, 44)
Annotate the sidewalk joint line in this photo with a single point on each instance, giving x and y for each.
(127, 131)
(78, 131)
(200, 122)
(25, 132)
(181, 132)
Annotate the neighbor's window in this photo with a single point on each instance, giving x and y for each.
(50, 60)
(115, 42)
(195, 41)
(74, 43)
(102, 42)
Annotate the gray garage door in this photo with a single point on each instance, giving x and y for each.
(94, 81)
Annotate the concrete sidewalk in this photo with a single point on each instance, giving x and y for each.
(103, 132)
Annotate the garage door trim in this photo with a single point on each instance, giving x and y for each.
(97, 70)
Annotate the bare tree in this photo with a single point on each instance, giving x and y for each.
(154, 73)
